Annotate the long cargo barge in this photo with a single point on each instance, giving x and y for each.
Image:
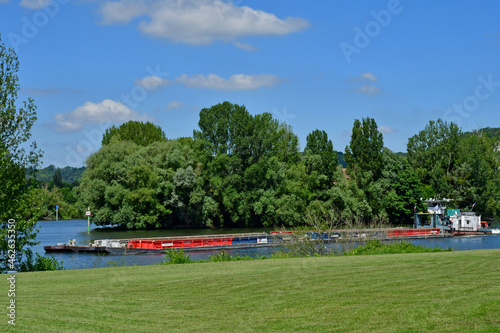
(135, 246)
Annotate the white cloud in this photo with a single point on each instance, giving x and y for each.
(107, 111)
(364, 77)
(152, 82)
(245, 47)
(235, 82)
(386, 129)
(3, 1)
(122, 11)
(198, 21)
(174, 105)
(34, 4)
(368, 89)
(40, 91)
(83, 149)
(369, 76)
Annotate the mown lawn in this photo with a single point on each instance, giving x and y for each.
(429, 292)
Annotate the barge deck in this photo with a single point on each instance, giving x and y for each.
(137, 246)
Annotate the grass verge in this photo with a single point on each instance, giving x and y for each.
(430, 292)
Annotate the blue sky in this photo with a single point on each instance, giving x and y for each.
(314, 64)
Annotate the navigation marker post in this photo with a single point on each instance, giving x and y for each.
(87, 213)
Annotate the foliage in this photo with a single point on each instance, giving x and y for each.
(40, 263)
(321, 160)
(397, 193)
(69, 174)
(244, 170)
(224, 256)
(17, 198)
(463, 167)
(246, 160)
(178, 256)
(142, 134)
(174, 257)
(364, 152)
(62, 197)
(489, 132)
(377, 247)
(142, 187)
(57, 178)
(433, 153)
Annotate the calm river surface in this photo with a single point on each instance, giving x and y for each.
(52, 232)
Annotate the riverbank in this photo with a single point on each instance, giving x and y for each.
(431, 292)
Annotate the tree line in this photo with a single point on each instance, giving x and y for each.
(244, 170)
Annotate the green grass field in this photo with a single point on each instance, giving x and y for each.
(429, 292)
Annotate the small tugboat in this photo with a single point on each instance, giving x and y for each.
(452, 221)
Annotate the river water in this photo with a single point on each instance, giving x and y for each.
(53, 232)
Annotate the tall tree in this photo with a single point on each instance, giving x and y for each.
(364, 152)
(18, 202)
(319, 144)
(225, 128)
(57, 178)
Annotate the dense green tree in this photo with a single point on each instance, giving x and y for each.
(245, 156)
(400, 189)
(474, 177)
(142, 187)
(18, 201)
(57, 178)
(142, 134)
(364, 152)
(434, 153)
(225, 129)
(320, 157)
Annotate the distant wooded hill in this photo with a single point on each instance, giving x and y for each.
(490, 132)
(69, 174)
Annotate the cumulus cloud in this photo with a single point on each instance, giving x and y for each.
(368, 89)
(369, 76)
(107, 111)
(364, 77)
(34, 4)
(174, 105)
(235, 82)
(365, 84)
(122, 11)
(386, 129)
(198, 21)
(152, 82)
(245, 47)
